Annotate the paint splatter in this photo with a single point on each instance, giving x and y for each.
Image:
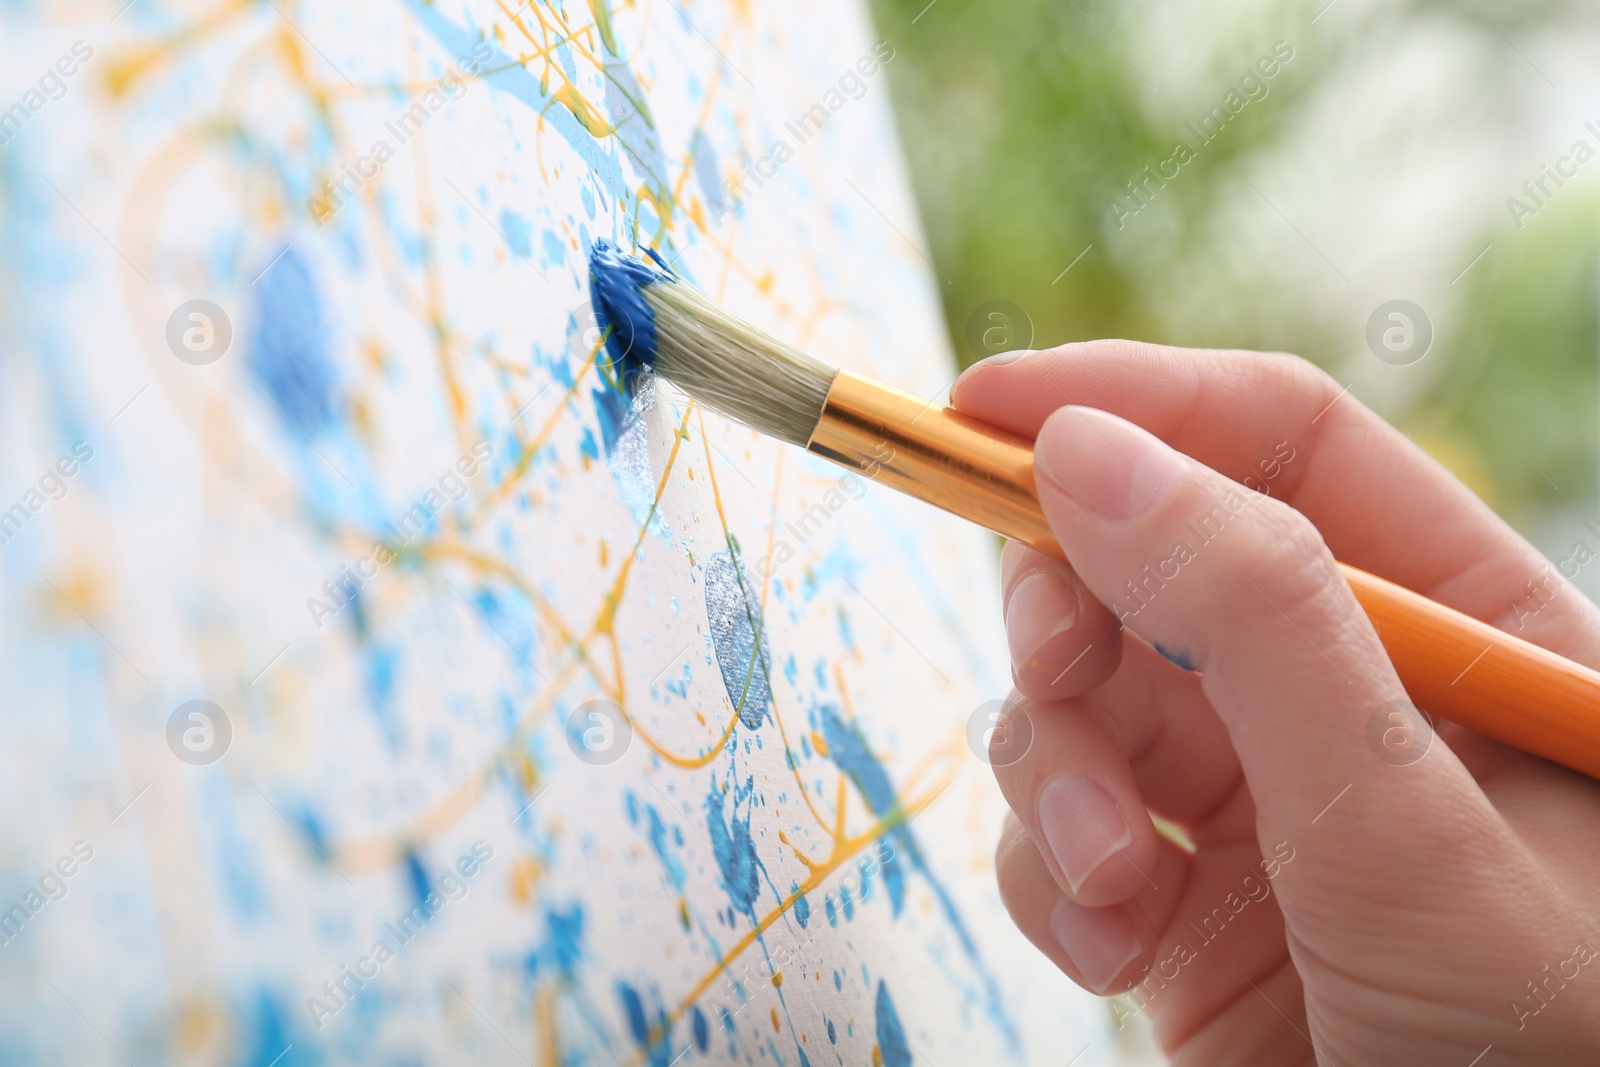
(737, 861)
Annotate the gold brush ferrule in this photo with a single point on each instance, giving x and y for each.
(935, 454)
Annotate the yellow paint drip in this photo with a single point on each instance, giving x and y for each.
(569, 97)
(602, 22)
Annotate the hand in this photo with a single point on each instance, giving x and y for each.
(1340, 903)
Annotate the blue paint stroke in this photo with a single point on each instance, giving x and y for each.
(509, 75)
(738, 634)
(848, 749)
(891, 1036)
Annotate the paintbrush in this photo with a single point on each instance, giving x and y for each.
(1515, 692)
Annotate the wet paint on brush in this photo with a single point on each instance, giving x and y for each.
(615, 281)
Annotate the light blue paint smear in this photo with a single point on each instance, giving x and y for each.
(738, 634)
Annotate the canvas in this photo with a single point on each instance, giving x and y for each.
(387, 683)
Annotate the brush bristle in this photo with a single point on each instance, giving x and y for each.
(665, 325)
(732, 367)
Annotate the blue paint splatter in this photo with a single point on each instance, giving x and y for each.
(891, 1036)
(518, 232)
(848, 750)
(737, 861)
(1177, 659)
(738, 634)
(661, 841)
(702, 1032)
(833, 1037)
(289, 348)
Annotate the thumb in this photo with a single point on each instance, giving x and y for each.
(1240, 587)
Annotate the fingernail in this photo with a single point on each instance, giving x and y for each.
(1041, 608)
(1104, 464)
(1082, 826)
(1099, 942)
(1000, 359)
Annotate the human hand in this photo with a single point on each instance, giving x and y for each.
(1344, 902)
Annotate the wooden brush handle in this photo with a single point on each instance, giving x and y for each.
(1451, 665)
(1483, 678)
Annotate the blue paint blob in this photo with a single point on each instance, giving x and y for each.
(417, 878)
(830, 910)
(615, 281)
(1177, 659)
(891, 1037)
(289, 347)
(802, 910)
(833, 1037)
(633, 1007)
(702, 1032)
(639, 1025)
(739, 637)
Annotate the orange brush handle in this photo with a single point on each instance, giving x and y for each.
(1452, 665)
(1483, 678)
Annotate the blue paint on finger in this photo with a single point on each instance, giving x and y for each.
(1177, 659)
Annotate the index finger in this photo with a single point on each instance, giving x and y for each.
(1277, 424)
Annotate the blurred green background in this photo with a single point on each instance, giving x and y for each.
(1376, 164)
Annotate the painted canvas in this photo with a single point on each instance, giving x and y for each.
(384, 682)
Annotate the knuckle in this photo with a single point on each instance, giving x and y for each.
(1287, 558)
